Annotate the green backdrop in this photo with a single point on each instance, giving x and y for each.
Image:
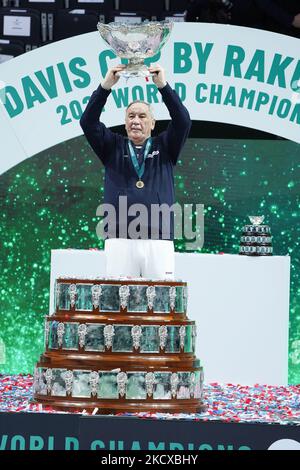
(49, 201)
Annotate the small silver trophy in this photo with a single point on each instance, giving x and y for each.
(136, 42)
(256, 239)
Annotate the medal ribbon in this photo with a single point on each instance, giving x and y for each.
(139, 169)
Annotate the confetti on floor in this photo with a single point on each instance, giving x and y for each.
(231, 403)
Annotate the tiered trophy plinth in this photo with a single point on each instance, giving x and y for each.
(256, 239)
(120, 346)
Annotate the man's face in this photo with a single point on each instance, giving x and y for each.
(139, 123)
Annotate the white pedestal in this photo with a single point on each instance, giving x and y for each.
(240, 304)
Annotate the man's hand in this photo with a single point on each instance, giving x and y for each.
(158, 75)
(296, 22)
(112, 76)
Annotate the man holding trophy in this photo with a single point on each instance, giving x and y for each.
(139, 167)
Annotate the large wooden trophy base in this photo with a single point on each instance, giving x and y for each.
(115, 346)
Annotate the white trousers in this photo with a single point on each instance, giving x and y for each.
(152, 259)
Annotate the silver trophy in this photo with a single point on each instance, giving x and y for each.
(256, 239)
(136, 42)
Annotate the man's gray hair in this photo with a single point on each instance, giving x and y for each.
(143, 102)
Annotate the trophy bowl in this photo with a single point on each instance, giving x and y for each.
(136, 42)
(256, 219)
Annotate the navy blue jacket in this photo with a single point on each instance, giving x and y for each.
(120, 175)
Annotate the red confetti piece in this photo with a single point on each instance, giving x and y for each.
(230, 403)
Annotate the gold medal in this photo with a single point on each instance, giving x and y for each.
(139, 184)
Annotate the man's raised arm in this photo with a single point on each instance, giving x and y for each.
(98, 136)
(180, 125)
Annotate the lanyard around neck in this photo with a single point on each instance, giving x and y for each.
(139, 169)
